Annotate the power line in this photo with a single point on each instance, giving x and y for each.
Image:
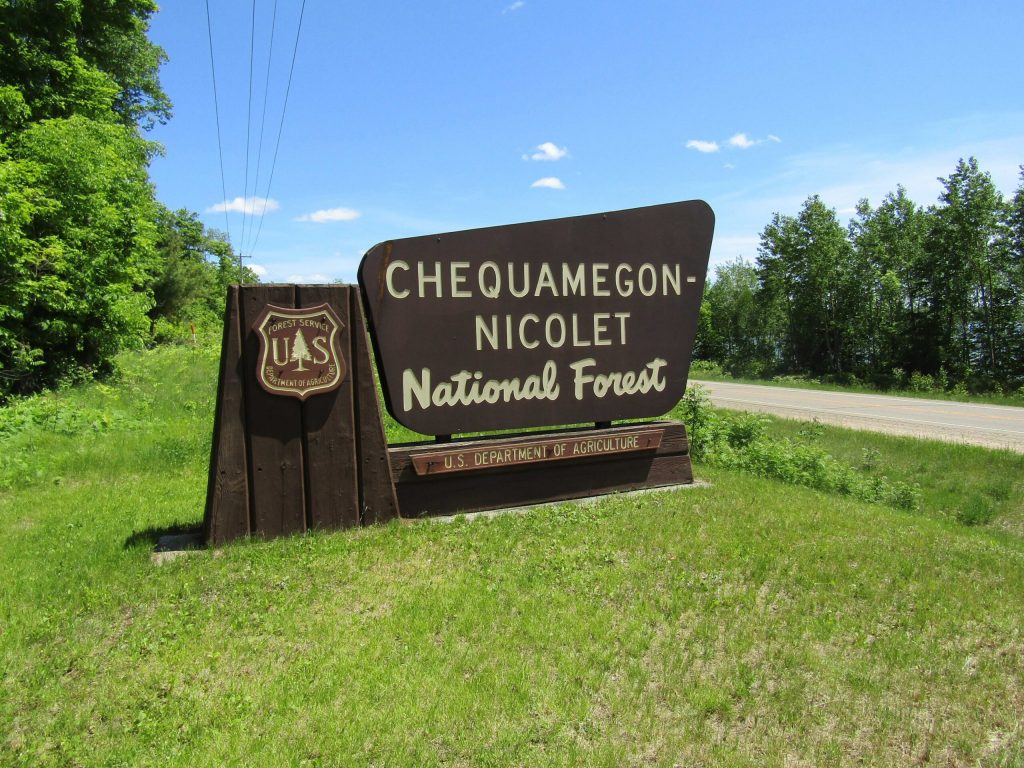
(248, 122)
(266, 93)
(280, 127)
(220, 148)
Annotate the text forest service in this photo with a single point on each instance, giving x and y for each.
(585, 319)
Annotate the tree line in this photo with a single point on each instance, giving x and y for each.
(902, 295)
(90, 261)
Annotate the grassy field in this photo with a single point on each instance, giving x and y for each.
(743, 623)
(965, 483)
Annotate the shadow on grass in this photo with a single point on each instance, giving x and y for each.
(169, 538)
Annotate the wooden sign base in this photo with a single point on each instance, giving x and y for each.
(281, 464)
(473, 474)
(287, 458)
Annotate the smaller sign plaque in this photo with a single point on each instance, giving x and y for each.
(494, 454)
(299, 350)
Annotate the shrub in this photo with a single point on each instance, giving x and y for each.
(706, 368)
(921, 382)
(739, 441)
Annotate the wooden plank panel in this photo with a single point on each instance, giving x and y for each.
(377, 499)
(673, 441)
(474, 491)
(275, 431)
(227, 492)
(332, 496)
(533, 483)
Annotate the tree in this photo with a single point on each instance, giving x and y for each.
(193, 269)
(889, 241)
(78, 222)
(89, 58)
(78, 79)
(805, 266)
(23, 280)
(706, 344)
(937, 291)
(732, 307)
(1011, 257)
(963, 267)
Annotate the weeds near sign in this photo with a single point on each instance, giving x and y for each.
(740, 441)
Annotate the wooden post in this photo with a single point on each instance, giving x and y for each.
(285, 464)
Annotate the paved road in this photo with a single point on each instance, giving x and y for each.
(997, 426)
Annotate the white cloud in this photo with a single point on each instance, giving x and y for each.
(514, 6)
(548, 151)
(314, 278)
(742, 141)
(702, 146)
(254, 206)
(259, 269)
(548, 182)
(330, 214)
(729, 166)
(736, 141)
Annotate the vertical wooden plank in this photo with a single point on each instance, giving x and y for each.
(275, 431)
(332, 497)
(227, 490)
(377, 500)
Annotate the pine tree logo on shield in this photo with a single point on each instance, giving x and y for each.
(299, 350)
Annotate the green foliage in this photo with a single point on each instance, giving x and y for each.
(91, 263)
(22, 421)
(807, 265)
(938, 293)
(193, 269)
(738, 440)
(921, 382)
(976, 511)
(78, 235)
(891, 240)
(960, 483)
(50, 414)
(963, 264)
(89, 58)
(730, 329)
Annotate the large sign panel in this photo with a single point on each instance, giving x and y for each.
(584, 319)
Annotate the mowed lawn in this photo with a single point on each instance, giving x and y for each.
(742, 623)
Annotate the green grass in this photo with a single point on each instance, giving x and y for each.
(744, 623)
(965, 483)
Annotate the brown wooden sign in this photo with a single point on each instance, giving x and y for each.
(283, 465)
(585, 319)
(504, 454)
(299, 351)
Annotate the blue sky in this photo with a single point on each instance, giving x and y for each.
(411, 118)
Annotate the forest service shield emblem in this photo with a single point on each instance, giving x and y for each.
(299, 350)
